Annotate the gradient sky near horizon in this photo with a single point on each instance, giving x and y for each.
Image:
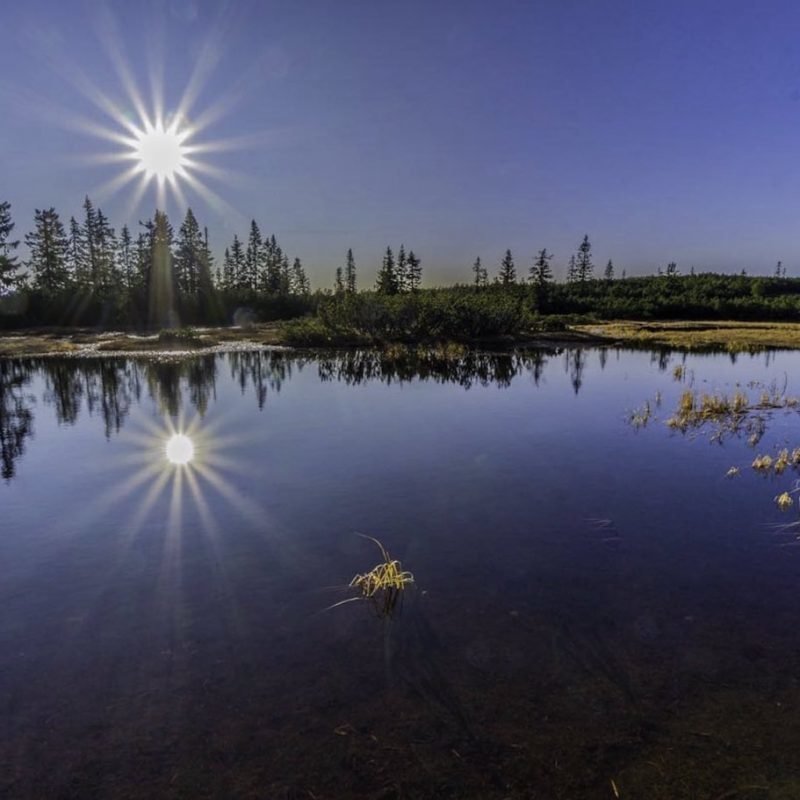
(666, 131)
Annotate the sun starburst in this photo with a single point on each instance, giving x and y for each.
(163, 145)
(160, 152)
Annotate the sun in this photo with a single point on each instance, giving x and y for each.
(160, 152)
(179, 449)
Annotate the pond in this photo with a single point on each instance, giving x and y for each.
(598, 610)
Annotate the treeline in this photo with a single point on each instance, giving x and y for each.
(517, 306)
(87, 273)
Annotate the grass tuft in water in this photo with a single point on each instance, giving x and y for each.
(784, 501)
(388, 576)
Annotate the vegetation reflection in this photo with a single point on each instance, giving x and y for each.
(110, 387)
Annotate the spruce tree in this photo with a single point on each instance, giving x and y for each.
(48, 249)
(90, 276)
(78, 264)
(672, 270)
(300, 282)
(540, 273)
(401, 270)
(126, 257)
(413, 272)
(508, 273)
(206, 266)
(253, 257)
(188, 254)
(584, 265)
(272, 266)
(387, 280)
(350, 273)
(608, 273)
(286, 276)
(106, 274)
(572, 270)
(338, 285)
(479, 271)
(8, 263)
(228, 280)
(238, 264)
(142, 260)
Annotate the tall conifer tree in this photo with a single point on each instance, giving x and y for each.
(583, 263)
(387, 280)
(8, 262)
(48, 248)
(508, 273)
(413, 272)
(350, 273)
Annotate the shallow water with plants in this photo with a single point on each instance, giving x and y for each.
(589, 600)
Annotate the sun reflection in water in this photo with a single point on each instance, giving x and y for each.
(179, 449)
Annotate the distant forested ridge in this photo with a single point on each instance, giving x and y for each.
(85, 272)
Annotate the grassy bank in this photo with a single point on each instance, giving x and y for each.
(313, 332)
(733, 336)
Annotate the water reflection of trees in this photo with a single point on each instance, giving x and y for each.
(16, 417)
(263, 370)
(105, 386)
(166, 379)
(575, 364)
(466, 369)
(111, 387)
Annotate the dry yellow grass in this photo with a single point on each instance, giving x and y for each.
(732, 336)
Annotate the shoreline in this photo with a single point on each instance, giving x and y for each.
(677, 335)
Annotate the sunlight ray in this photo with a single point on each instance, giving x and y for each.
(214, 200)
(232, 143)
(229, 176)
(128, 486)
(116, 183)
(213, 530)
(204, 67)
(217, 461)
(100, 159)
(136, 197)
(134, 524)
(85, 125)
(175, 504)
(239, 501)
(107, 31)
(78, 78)
(178, 192)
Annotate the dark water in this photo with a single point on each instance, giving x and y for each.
(598, 610)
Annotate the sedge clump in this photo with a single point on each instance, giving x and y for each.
(388, 576)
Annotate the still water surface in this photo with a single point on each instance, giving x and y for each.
(598, 610)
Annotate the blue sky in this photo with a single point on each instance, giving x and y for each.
(666, 131)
